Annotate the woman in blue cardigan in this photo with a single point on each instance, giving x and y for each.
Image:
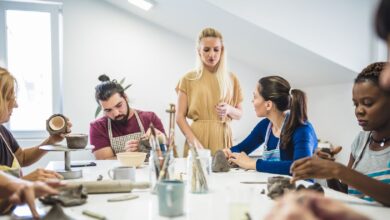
(285, 134)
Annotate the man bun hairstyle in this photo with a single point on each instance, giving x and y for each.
(103, 78)
(107, 88)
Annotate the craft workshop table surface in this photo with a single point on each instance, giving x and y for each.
(213, 205)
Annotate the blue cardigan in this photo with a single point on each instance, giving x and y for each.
(304, 142)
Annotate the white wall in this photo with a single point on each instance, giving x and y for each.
(99, 38)
(341, 31)
(331, 111)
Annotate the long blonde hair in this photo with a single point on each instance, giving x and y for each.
(7, 91)
(222, 74)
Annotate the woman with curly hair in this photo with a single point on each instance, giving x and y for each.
(368, 172)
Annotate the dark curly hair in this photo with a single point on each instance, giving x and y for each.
(371, 73)
(107, 88)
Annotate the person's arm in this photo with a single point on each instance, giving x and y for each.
(104, 153)
(324, 169)
(20, 191)
(253, 140)
(182, 108)
(28, 156)
(99, 138)
(225, 110)
(235, 112)
(378, 190)
(307, 205)
(303, 142)
(303, 147)
(133, 145)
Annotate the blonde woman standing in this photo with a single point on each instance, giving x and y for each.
(209, 95)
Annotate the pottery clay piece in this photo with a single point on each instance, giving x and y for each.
(278, 185)
(220, 163)
(76, 141)
(144, 146)
(56, 213)
(68, 197)
(56, 124)
(328, 151)
(315, 187)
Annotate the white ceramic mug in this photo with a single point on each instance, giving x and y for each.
(122, 173)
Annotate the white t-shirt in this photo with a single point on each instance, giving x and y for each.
(375, 164)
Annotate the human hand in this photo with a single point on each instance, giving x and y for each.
(42, 175)
(326, 208)
(242, 160)
(227, 152)
(310, 167)
(290, 207)
(26, 192)
(327, 153)
(132, 146)
(223, 109)
(308, 205)
(55, 138)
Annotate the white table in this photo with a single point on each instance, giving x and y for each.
(213, 205)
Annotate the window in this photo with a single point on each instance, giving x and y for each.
(30, 50)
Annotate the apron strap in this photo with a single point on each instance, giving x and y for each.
(109, 128)
(267, 134)
(6, 144)
(360, 156)
(15, 162)
(269, 128)
(141, 126)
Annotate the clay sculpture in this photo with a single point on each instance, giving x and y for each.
(68, 197)
(315, 187)
(278, 185)
(220, 163)
(76, 141)
(144, 146)
(56, 124)
(57, 213)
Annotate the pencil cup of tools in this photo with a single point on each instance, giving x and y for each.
(198, 170)
(160, 167)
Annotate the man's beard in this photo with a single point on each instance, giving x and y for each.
(123, 118)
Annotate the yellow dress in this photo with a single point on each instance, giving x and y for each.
(203, 95)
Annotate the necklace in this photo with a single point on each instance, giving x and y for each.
(380, 142)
